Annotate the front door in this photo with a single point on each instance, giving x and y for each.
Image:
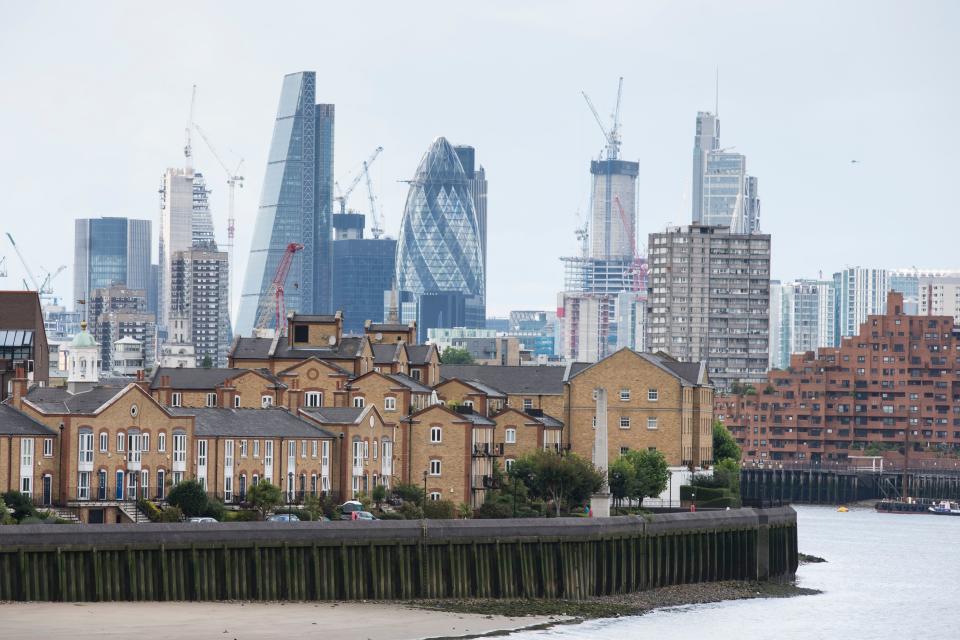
(47, 490)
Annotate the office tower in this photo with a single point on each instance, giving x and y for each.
(117, 312)
(860, 292)
(477, 181)
(153, 290)
(295, 206)
(198, 314)
(439, 255)
(363, 268)
(109, 251)
(723, 193)
(802, 317)
(613, 219)
(202, 221)
(710, 300)
(176, 229)
(939, 295)
(913, 281)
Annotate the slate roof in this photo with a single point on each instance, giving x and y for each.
(689, 371)
(193, 378)
(517, 380)
(385, 353)
(419, 353)
(335, 415)
(386, 326)
(547, 420)
(476, 419)
(410, 383)
(58, 400)
(251, 348)
(14, 423)
(259, 349)
(487, 389)
(250, 423)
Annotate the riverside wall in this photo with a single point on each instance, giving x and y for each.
(827, 486)
(570, 558)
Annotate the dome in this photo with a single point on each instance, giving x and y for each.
(83, 339)
(439, 247)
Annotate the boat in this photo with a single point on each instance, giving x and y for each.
(842, 509)
(945, 508)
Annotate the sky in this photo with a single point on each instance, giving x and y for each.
(95, 97)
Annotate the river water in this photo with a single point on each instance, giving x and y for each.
(886, 577)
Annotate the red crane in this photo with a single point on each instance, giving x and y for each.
(637, 271)
(278, 307)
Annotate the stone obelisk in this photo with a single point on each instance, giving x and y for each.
(600, 502)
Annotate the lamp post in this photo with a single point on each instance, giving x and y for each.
(423, 511)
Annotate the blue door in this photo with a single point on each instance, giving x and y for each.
(119, 485)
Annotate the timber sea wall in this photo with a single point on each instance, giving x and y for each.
(570, 558)
(831, 486)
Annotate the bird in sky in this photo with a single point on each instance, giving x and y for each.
(854, 162)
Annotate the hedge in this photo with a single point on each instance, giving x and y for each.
(702, 493)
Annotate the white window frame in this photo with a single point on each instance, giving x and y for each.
(376, 448)
(436, 435)
(510, 436)
(266, 402)
(236, 401)
(162, 442)
(179, 447)
(48, 447)
(359, 402)
(625, 395)
(145, 442)
(176, 399)
(508, 463)
(527, 403)
(624, 422)
(435, 496)
(313, 399)
(652, 424)
(256, 448)
(121, 441)
(390, 404)
(314, 444)
(243, 448)
(653, 395)
(104, 443)
(211, 400)
(436, 467)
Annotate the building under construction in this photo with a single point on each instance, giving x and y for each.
(603, 303)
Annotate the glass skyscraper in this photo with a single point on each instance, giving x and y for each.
(295, 206)
(440, 249)
(723, 193)
(362, 271)
(110, 251)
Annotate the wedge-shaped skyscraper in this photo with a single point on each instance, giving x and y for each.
(439, 252)
(295, 206)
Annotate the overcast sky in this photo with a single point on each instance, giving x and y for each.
(95, 97)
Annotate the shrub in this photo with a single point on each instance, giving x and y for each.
(409, 493)
(215, 510)
(410, 511)
(495, 509)
(21, 505)
(464, 511)
(149, 509)
(391, 515)
(244, 515)
(171, 514)
(303, 514)
(439, 510)
(379, 494)
(264, 496)
(5, 517)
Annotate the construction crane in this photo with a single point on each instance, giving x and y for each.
(3, 267)
(612, 135)
(43, 288)
(343, 196)
(278, 309)
(376, 217)
(187, 146)
(637, 271)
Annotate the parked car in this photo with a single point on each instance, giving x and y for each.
(202, 519)
(350, 506)
(283, 517)
(365, 515)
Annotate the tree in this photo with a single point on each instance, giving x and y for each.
(453, 355)
(21, 505)
(439, 510)
(207, 362)
(724, 445)
(622, 479)
(379, 494)
(565, 480)
(264, 497)
(409, 493)
(189, 497)
(652, 475)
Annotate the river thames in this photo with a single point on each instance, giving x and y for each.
(886, 577)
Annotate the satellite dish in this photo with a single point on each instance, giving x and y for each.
(332, 340)
(378, 336)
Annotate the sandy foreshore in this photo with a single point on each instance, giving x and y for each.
(242, 621)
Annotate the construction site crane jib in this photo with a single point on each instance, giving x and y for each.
(276, 305)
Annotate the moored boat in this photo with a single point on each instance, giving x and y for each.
(945, 508)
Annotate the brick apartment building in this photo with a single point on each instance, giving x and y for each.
(895, 384)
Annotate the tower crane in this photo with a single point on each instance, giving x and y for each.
(612, 135)
(376, 217)
(365, 171)
(637, 271)
(43, 288)
(3, 267)
(187, 146)
(278, 308)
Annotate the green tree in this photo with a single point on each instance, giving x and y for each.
(379, 494)
(439, 510)
(724, 445)
(650, 469)
(5, 517)
(264, 497)
(207, 362)
(464, 511)
(189, 497)
(727, 473)
(453, 355)
(21, 505)
(409, 493)
(622, 478)
(564, 480)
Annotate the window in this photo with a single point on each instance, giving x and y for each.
(366, 449)
(236, 401)
(201, 453)
(313, 448)
(179, 448)
(653, 395)
(242, 486)
(144, 484)
(511, 436)
(161, 442)
(436, 435)
(313, 484)
(301, 333)
(303, 448)
(624, 422)
(651, 423)
(508, 463)
(255, 480)
(415, 374)
(161, 480)
(527, 403)
(268, 453)
(121, 439)
(313, 399)
(145, 442)
(48, 446)
(358, 402)
(256, 448)
(434, 467)
(266, 402)
(176, 399)
(243, 448)
(375, 447)
(625, 395)
(83, 486)
(211, 399)
(104, 442)
(389, 404)
(26, 453)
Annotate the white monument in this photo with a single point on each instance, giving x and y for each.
(600, 502)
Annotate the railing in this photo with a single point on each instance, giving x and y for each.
(941, 465)
(487, 449)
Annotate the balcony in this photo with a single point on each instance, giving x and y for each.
(487, 449)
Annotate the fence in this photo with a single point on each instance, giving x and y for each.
(557, 558)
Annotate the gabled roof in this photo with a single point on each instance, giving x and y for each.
(475, 418)
(386, 353)
(15, 423)
(419, 354)
(251, 348)
(340, 370)
(477, 386)
(347, 349)
(542, 418)
(689, 373)
(388, 326)
(250, 423)
(516, 380)
(409, 383)
(56, 400)
(192, 378)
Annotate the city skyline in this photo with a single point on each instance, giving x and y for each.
(539, 183)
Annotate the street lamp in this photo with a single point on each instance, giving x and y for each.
(423, 511)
